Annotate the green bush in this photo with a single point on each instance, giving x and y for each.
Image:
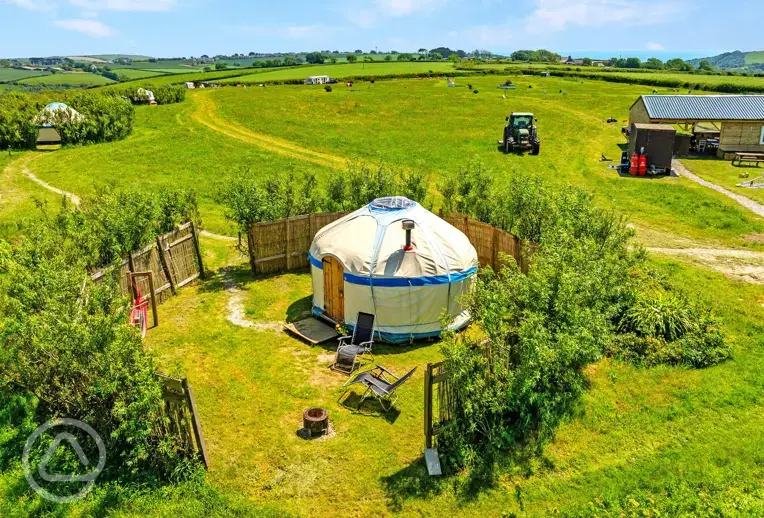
(664, 328)
(521, 372)
(68, 342)
(105, 117)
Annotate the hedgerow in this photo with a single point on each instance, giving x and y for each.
(521, 372)
(104, 118)
(66, 345)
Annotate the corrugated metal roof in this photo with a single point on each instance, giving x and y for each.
(705, 107)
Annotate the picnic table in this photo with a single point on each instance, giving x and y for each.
(751, 158)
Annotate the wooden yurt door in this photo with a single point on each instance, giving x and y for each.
(334, 289)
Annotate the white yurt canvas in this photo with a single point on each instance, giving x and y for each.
(57, 113)
(361, 263)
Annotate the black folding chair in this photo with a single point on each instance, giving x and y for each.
(353, 349)
(379, 385)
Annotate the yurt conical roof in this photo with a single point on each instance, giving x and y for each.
(369, 242)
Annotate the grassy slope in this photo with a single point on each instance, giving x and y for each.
(751, 58)
(724, 174)
(12, 74)
(79, 78)
(19, 196)
(137, 74)
(444, 127)
(663, 437)
(166, 149)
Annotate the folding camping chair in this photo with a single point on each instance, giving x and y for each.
(379, 386)
(353, 349)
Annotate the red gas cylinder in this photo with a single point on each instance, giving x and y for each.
(634, 167)
(642, 165)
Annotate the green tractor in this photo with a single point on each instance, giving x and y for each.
(520, 133)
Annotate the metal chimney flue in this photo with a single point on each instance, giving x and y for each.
(408, 226)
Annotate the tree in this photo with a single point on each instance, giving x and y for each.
(455, 58)
(315, 58)
(290, 60)
(405, 57)
(372, 52)
(633, 63)
(368, 59)
(435, 56)
(251, 54)
(706, 65)
(358, 51)
(587, 62)
(220, 66)
(352, 58)
(654, 64)
(388, 58)
(332, 60)
(522, 55)
(422, 52)
(677, 64)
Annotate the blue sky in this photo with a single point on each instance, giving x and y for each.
(194, 27)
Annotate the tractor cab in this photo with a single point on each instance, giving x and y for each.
(520, 133)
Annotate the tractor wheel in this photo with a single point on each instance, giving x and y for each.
(509, 146)
(536, 149)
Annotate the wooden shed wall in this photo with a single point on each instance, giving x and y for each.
(638, 113)
(741, 136)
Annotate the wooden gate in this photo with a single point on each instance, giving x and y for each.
(439, 401)
(334, 289)
(182, 416)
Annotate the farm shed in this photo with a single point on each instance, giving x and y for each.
(398, 261)
(658, 142)
(317, 80)
(739, 119)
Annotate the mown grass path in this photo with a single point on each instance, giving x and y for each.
(748, 203)
(206, 114)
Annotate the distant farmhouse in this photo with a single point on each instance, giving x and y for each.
(737, 119)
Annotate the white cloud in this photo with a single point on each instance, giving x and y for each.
(406, 7)
(654, 46)
(32, 5)
(125, 5)
(92, 28)
(557, 15)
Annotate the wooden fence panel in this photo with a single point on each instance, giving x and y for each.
(174, 260)
(283, 245)
(181, 417)
(439, 401)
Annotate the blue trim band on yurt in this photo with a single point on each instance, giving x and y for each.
(405, 282)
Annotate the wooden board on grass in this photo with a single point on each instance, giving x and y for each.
(312, 331)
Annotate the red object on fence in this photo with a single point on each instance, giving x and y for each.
(634, 164)
(139, 316)
(642, 165)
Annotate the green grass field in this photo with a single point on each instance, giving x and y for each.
(680, 442)
(346, 70)
(80, 78)
(12, 74)
(754, 57)
(723, 173)
(132, 73)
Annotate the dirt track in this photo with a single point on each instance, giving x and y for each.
(206, 114)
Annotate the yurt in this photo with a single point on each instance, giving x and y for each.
(54, 114)
(395, 260)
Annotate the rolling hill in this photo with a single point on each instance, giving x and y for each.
(736, 60)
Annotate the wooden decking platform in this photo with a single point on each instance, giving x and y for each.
(312, 331)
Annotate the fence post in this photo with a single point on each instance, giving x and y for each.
(495, 250)
(195, 422)
(163, 262)
(153, 299)
(131, 269)
(251, 246)
(287, 251)
(313, 228)
(428, 406)
(198, 250)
